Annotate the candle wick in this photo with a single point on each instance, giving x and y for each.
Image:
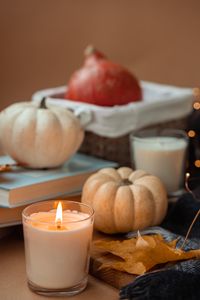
(58, 224)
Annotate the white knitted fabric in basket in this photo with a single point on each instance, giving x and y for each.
(161, 103)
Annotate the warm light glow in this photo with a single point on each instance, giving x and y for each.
(197, 163)
(191, 133)
(196, 105)
(59, 213)
(196, 92)
(187, 175)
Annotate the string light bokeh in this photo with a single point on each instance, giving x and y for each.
(194, 134)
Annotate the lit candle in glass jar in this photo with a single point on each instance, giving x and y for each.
(57, 246)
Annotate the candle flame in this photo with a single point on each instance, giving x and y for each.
(59, 213)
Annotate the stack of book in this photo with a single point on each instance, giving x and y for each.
(20, 187)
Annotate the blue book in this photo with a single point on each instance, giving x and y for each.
(22, 186)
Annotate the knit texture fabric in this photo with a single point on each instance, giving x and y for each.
(182, 280)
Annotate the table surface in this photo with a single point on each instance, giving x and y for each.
(13, 277)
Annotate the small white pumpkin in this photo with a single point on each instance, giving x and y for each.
(39, 137)
(125, 200)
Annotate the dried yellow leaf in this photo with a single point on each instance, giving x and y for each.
(143, 253)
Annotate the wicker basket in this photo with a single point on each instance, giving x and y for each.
(105, 139)
(118, 149)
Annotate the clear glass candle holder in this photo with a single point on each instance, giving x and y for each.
(161, 153)
(57, 251)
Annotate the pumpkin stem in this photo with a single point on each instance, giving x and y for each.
(91, 50)
(126, 181)
(43, 103)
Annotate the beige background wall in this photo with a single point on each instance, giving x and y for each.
(42, 41)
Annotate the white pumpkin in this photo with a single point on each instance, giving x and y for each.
(125, 200)
(39, 137)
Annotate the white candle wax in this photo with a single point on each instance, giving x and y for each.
(163, 157)
(57, 258)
